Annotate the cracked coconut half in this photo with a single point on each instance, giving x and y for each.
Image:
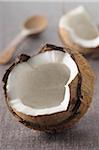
(79, 32)
(49, 91)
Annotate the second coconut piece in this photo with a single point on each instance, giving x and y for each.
(79, 31)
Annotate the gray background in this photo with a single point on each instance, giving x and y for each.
(13, 135)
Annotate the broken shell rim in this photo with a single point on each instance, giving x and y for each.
(59, 110)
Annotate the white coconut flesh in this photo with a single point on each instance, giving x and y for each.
(81, 27)
(41, 85)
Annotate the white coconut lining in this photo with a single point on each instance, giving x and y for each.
(24, 89)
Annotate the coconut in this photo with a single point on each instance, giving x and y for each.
(78, 31)
(49, 91)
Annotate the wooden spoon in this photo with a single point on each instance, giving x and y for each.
(32, 26)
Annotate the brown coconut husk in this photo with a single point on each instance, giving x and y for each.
(80, 98)
(65, 37)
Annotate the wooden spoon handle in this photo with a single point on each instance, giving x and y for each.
(8, 52)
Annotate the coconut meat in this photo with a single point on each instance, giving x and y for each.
(81, 27)
(41, 85)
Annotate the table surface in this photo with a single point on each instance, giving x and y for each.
(13, 135)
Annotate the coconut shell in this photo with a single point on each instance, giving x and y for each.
(80, 98)
(65, 37)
